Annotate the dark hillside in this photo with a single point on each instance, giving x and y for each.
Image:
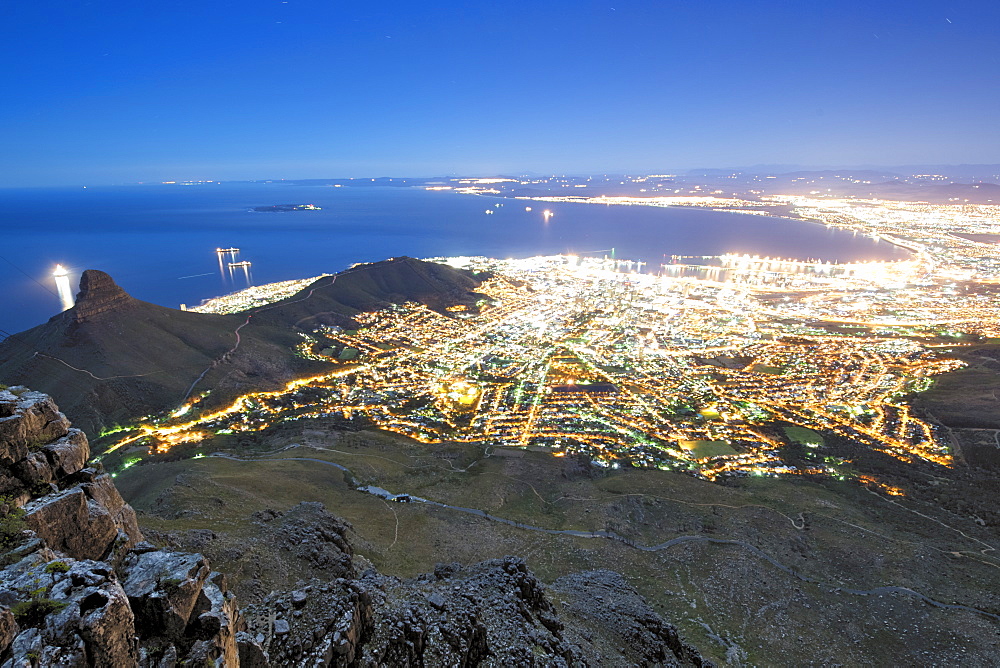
(112, 357)
(366, 287)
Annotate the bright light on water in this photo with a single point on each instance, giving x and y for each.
(61, 277)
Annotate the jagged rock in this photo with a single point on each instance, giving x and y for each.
(163, 588)
(71, 523)
(13, 488)
(252, 655)
(73, 610)
(493, 609)
(88, 521)
(603, 612)
(88, 474)
(92, 623)
(8, 629)
(68, 454)
(102, 491)
(105, 620)
(494, 613)
(27, 643)
(9, 400)
(315, 536)
(27, 419)
(158, 655)
(99, 294)
(334, 622)
(215, 620)
(31, 544)
(143, 546)
(33, 470)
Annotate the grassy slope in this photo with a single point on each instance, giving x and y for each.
(966, 403)
(724, 597)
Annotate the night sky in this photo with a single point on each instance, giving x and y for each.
(114, 92)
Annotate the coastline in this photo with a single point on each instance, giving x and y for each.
(910, 247)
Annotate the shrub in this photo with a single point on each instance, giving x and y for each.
(33, 612)
(36, 444)
(56, 567)
(11, 522)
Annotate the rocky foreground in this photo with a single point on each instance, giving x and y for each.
(80, 586)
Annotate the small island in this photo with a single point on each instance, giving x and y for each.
(287, 207)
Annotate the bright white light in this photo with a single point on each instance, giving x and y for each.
(61, 277)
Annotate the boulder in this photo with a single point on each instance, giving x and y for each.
(32, 419)
(216, 619)
(252, 655)
(34, 470)
(102, 491)
(164, 588)
(93, 625)
(8, 629)
(68, 454)
(98, 611)
(73, 524)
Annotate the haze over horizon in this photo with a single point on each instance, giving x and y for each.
(112, 92)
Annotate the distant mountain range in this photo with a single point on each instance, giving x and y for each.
(112, 358)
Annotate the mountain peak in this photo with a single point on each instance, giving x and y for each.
(98, 294)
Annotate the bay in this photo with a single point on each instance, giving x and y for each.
(159, 241)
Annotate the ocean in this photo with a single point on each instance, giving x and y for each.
(158, 241)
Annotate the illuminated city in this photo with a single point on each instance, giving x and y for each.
(706, 364)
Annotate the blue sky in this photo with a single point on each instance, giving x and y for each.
(109, 91)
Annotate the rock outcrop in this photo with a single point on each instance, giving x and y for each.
(80, 586)
(99, 294)
(494, 613)
(302, 543)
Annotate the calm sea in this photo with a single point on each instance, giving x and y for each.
(159, 241)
